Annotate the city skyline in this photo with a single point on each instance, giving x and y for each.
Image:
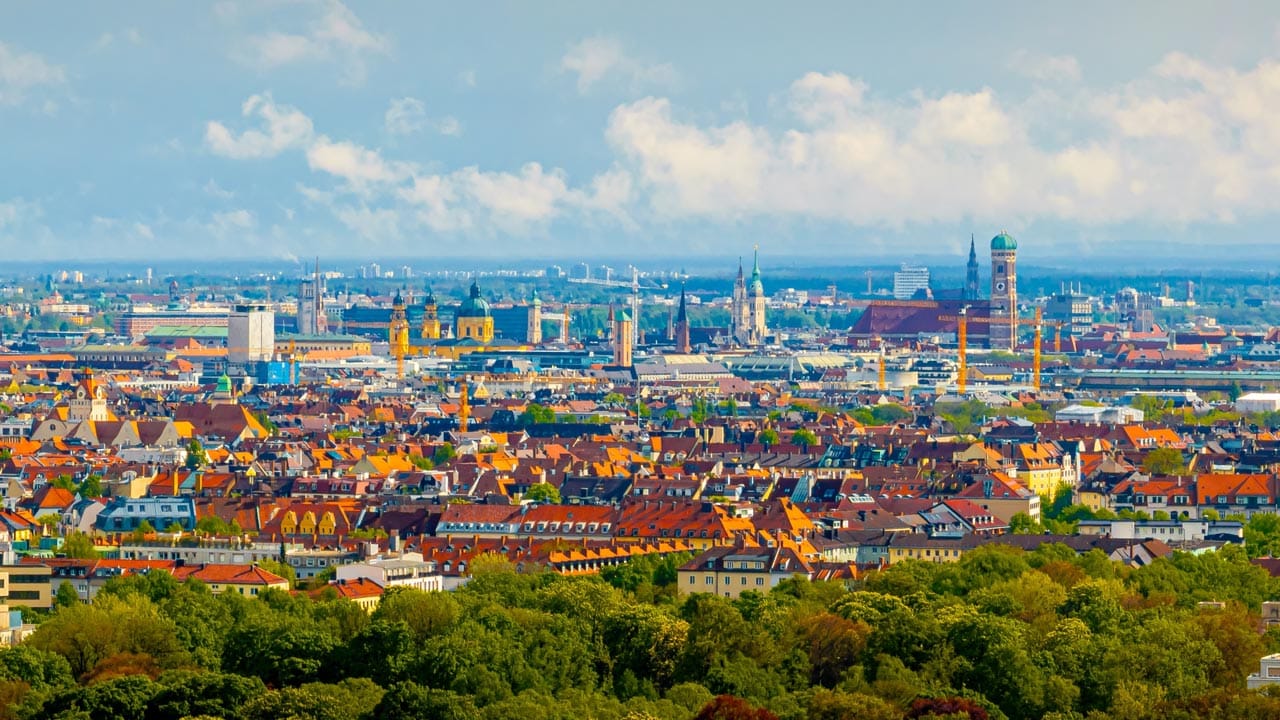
(291, 129)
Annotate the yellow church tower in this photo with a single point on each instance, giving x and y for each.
(430, 318)
(474, 320)
(398, 333)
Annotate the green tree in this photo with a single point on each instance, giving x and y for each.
(1262, 535)
(443, 454)
(1164, 461)
(88, 634)
(196, 456)
(410, 701)
(536, 414)
(79, 545)
(543, 493)
(804, 437)
(66, 595)
(767, 437)
(282, 569)
(91, 487)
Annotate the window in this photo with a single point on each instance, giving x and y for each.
(692, 579)
(759, 581)
(744, 579)
(710, 580)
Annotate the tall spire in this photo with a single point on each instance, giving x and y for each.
(681, 314)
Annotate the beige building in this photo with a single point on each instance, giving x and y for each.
(729, 571)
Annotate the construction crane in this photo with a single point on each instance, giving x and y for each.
(880, 371)
(962, 332)
(464, 408)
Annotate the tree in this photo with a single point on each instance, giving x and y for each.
(1164, 461)
(535, 414)
(66, 595)
(141, 532)
(1262, 535)
(727, 707)
(88, 634)
(79, 545)
(410, 701)
(185, 693)
(804, 437)
(767, 437)
(196, 456)
(543, 493)
(91, 487)
(284, 570)
(443, 454)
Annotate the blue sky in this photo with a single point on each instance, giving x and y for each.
(827, 130)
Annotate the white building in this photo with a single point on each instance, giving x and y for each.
(251, 334)
(1258, 402)
(1097, 414)
(406, 570)
(1268, 672)
(908, 280)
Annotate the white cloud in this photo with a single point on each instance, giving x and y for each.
(1186, 142)
(405, 116)
(449, 125)
(232, 221)
(595, 58)
(467, 78)
(284, 128)
(23, 72)
(1045, 68)
(336, 36)
(358, 165)
(213, 189)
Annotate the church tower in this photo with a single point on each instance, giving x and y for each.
(972, 285)
(398, 328)
(474, 319)
(682, 327)
(430, 317)
(756, 328)
(738, 316)
(620, 326)
(534, 331)
(1004, 292)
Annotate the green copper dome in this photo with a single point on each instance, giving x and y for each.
(756, 287)
(1004, 241)
(224, 385)
(474, 306)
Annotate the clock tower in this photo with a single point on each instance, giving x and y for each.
(1004, 292)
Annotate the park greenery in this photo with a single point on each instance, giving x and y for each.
(1002, 633)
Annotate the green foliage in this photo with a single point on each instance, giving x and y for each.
(886, 414)
(79, 545)
(536, 414)
(1001, 633)
(804, 437)
(767, 437)
(543, 493)
(443, 454)
(214, 525)
(1164, 461)
(196, 456)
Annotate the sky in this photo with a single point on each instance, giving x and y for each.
(1092, 131)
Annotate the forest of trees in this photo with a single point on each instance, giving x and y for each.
(1000, 634)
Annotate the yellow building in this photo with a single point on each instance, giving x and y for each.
(430, 318)
(474, 320)
(729, 571)
(247, 580)
(30, 586)
(913, 546)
